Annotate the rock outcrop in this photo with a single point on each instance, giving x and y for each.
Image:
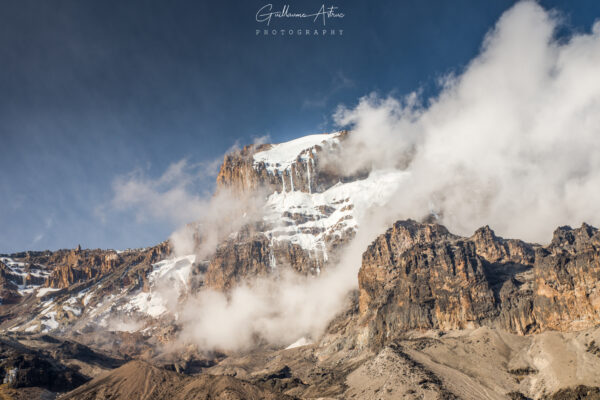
(567, 280)
(21, 366)
(73, 266)
(422, 277)
(419, 276)
(250, 254)
(311, 170)
(238, 173)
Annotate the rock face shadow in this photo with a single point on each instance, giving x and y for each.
(504, 278)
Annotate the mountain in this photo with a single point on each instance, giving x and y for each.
(419, 276)
(141, 380)
(433, 314)
(312, 210)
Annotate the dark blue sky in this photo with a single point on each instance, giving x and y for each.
(91, 90)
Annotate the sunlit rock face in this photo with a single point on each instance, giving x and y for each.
(299, 165)
(313, 209)
(567, 280)
(420, 276)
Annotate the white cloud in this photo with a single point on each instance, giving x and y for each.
(169, 197)
(513, 141)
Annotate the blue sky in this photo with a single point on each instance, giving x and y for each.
(93, 90)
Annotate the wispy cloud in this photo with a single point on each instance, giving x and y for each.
(513, 141)
(175, 196)
(166, 197)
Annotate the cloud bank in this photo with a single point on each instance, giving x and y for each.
(281, 309)
(513, 141)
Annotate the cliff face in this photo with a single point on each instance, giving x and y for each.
(309, 169)
(567, 280)
(21, 272)
(251, 254)
(419, 276)
(305, 219)
(74, 266)
(238, 172)
(79, 266)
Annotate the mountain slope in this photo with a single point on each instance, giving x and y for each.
(436, 315)
(140, 380)
(310, 214)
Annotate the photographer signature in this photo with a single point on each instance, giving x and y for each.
(266, 14)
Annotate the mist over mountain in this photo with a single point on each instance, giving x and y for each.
(424, 250)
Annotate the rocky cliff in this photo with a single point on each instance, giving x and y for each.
(419, 276)
(44, 291)
(312, 208)
(238, 173)
(250, 254)
(78, 265)
(63, 268)
(567, 280)
(304, 166)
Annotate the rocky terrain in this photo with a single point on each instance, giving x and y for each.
(434, 316)
(419, 276)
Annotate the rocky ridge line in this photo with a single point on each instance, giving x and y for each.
(420, 276)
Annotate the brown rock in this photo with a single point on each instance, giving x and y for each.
(70, 267)
(251, 254)
(309, 173)
(419, 276)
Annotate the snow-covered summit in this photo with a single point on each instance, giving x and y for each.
(317, 219)
(311, 220)
(281, 156)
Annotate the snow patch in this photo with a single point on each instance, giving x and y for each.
(308, 219)
(168, 279)
(50, 322)
(73, 310)
(298, 343)
(280, 157)
(43, 291)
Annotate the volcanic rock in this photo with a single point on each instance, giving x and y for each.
(419, 276)
(143, 381)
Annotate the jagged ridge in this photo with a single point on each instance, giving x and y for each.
(420, 276)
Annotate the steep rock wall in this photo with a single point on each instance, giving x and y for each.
(419, 276)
